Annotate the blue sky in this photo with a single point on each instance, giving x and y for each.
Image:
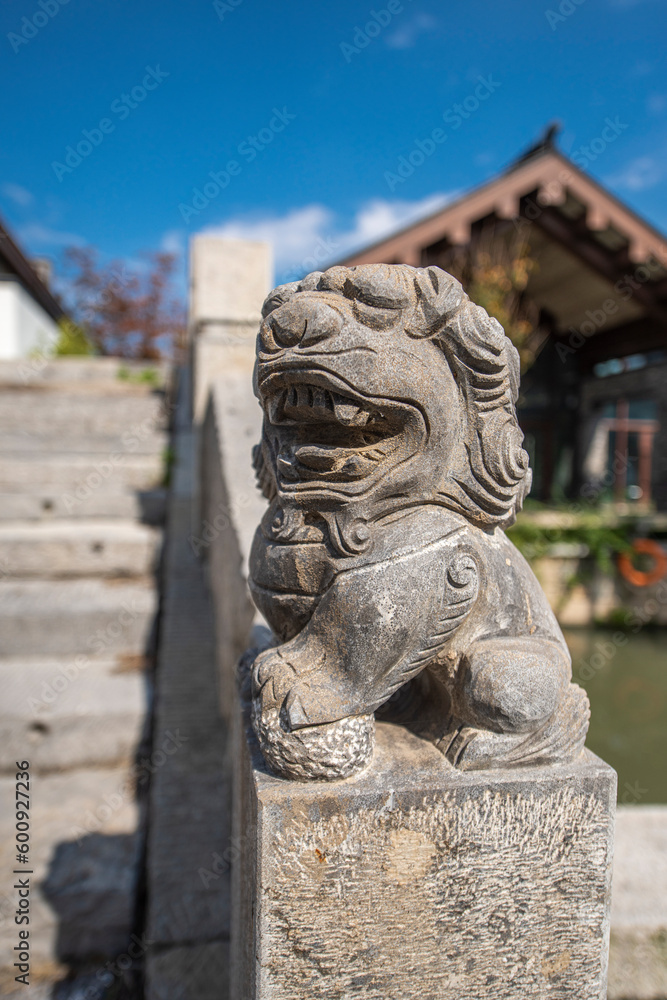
(310, 111)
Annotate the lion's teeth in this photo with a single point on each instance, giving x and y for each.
(322, 400)
(346, 412)
(308, 402)
(304, 396)
(351, 415)
(274, 407)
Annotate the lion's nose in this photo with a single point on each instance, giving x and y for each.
(304, 323)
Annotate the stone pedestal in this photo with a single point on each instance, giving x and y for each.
(415, 880)
(229, 280)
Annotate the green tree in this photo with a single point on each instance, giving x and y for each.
(72, 340)
(495, 268)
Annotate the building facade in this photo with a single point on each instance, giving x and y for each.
(29, 312)
(593, 405)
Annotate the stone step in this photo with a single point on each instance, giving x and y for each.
(77, 711)
(638, 957)
(115, 374)
(64, 473)
(92, 444)
(143, 505)
(90, 616)
(56, 414)
(84, 858)
(78, 548)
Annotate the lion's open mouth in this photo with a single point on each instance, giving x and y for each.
(318, 431)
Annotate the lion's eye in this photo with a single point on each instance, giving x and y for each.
(376, 317)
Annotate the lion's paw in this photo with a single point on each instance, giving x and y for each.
(321, 753)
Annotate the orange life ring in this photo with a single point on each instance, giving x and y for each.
(643, 546)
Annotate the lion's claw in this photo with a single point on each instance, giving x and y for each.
(273, 682)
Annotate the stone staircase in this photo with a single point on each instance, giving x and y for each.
(83, 445)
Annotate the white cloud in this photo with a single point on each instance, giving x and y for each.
(309, 238)
(406, 35)
(379, 218)
(19, 195)
(293, 236)
(36, 233)
(641, 173)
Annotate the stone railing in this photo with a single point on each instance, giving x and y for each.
(230, 509)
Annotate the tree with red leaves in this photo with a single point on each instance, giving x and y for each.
(126, 313)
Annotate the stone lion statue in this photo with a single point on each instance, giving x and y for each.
(392, 460)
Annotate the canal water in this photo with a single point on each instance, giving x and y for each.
(625, 676)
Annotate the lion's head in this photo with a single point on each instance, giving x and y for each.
(385, 387)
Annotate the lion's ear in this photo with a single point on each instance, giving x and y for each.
(438, 297)
(278, 297)
(283, 293)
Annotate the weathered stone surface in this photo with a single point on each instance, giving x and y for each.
(415, 879)
(392, 459)
(91, 886)
(99, 445)
(229, 509)
(81, 373)
(76, 440)
(638, 953)
(187, 877)
(128, 418)
(198, 972)
(66, 473)
(229, 278)
(87, 547)
(75, 616)
(144, 505)
(68, 712)
(85, 809)
(228, 282)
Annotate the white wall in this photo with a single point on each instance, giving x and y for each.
(24, 326)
